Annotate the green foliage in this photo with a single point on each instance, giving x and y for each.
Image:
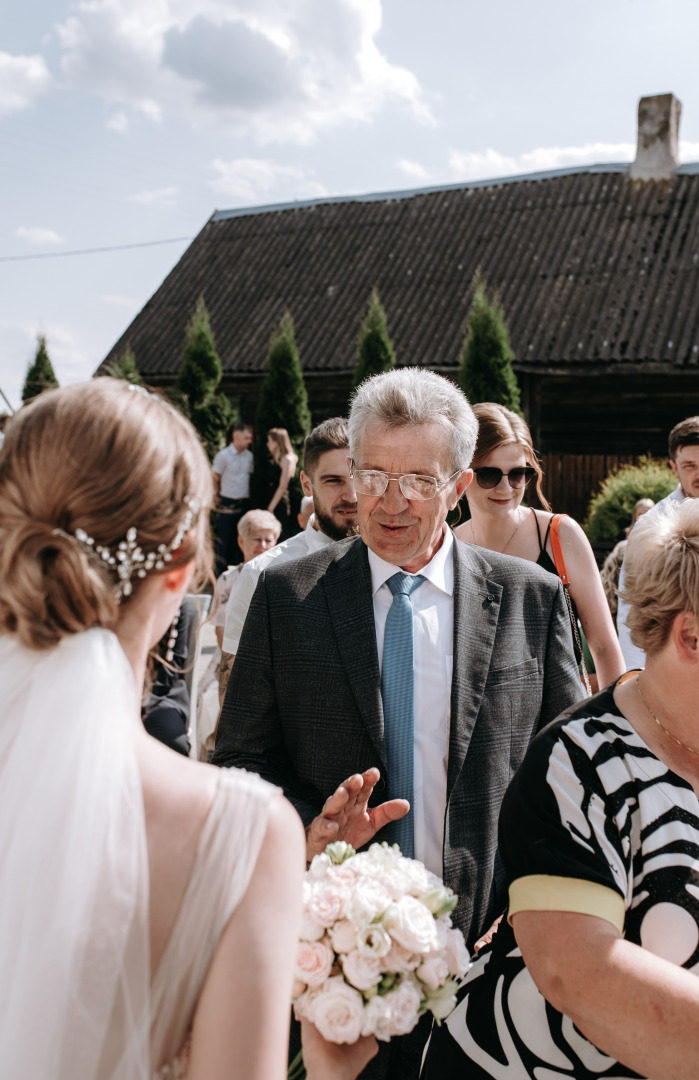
(486, 371)
(195, 389)
(124, 367)
(40, 374)
(610, 510)
(374, 349)
(283, 403)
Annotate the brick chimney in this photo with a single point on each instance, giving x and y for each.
(658, 129)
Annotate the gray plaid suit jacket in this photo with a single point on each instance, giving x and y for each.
(303, 706)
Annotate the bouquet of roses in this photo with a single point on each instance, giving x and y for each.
(377, 945)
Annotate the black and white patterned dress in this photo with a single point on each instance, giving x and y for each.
(592, 823)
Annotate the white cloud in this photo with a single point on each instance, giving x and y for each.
(689, 151)
(414, 171)
(34, 235)
(161, 197)
(22, 79)
(278, 72)
(119, 122)
(255, 181)
(126, 302)
(492, 163)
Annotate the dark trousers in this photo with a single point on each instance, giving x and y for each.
(228, 552)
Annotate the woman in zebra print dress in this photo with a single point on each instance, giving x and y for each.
(593, 973)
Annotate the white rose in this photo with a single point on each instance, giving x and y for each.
(412, 925)
(373, 940)
(399, 959)
(457, 954)
(328, 902)
(319, 865)
(377, 1018)
(343, 936)
(433, 971)
(442, 1001)
(338, 1011)
(369, 899)
(313, 962)
(404, 1003)
(361, 970)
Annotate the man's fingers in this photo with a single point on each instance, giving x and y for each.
(388, 811)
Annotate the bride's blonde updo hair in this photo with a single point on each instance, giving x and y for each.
(102, 457)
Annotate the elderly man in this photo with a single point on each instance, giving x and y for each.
(415, 666)
(326, 480)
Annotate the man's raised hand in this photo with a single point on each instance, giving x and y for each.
(347, 816)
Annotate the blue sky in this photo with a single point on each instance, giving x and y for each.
(128, 122)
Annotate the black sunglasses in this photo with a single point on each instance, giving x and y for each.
(489, 477)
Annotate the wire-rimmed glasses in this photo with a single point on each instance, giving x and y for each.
(412, 485)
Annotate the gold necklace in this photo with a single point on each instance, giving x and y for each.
(510, 538)
(691, 749)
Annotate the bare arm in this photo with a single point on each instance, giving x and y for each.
(587, 591)
(224, 673)
(217, 486)
(288, 468)
(241, 1026)
(633, 1005)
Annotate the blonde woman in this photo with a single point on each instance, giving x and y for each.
(504, 463)
(283, 456)
(149, 905)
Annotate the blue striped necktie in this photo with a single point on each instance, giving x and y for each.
(397, 693)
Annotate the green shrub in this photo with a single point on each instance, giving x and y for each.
(125, 368)
(40, 375)
(610, 510)
(195, 390)
(486, 371)
(374, 349)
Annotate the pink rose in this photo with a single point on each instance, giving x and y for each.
(399, 959)
(404, 1003)
(328, 902)
(377, 1018)
(343, 936)
(433, 971)
(314, 961)
(412, 925)
(338, 1011)
(361, 970)
(457, 954)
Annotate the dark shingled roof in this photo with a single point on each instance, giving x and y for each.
(596, 273)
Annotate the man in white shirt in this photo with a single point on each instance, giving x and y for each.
(325, 479)
(312, 701)
(683, 451)
(232, 467)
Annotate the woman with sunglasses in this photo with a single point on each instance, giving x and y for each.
(504, 463)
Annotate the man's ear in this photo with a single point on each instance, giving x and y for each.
(460, 486)
(240, 544)
(674, 468)
(306, 484)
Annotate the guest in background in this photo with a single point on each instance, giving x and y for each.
(231, 471)
(594, 972)
(305, 511)
(283, 456)
(166, 706)
(504, 463)
(612, 564)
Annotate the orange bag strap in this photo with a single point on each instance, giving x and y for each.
(557, 549)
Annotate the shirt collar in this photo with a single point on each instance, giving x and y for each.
(439, 571)
(315, 539)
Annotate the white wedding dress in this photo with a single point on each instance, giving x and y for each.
(75, 999)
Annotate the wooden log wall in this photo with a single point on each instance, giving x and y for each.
(571, 480)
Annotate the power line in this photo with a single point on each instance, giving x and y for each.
(92, 251)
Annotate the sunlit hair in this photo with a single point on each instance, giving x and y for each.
(280, 436)
(498, 426)
(661, 572)
(259, 519)
(330, 435)
(101, 457)
(414, 397)
(686, 433)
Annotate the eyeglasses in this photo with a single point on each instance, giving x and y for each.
(489, 477)
(412, 485)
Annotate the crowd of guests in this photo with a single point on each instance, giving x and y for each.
(395, 679)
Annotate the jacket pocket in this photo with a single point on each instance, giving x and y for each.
(502, 677)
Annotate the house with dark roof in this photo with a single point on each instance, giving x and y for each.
(597, 267)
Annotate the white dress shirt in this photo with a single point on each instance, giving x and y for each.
(311, 539)
(433, 649)
(633, 656)
(234, 468)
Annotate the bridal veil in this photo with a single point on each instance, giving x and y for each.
(74, 959)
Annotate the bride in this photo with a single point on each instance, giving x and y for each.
(149, 905)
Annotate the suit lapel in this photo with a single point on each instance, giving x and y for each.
(347, 586)
(476, 611)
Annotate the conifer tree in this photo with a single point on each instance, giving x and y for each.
(374, 349)
(124, 367)
(40, 374)
(195, 389)
(486, 371)
(283, 403)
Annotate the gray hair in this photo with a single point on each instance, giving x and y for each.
(661, 572)
(415, 396)
(258, 519)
